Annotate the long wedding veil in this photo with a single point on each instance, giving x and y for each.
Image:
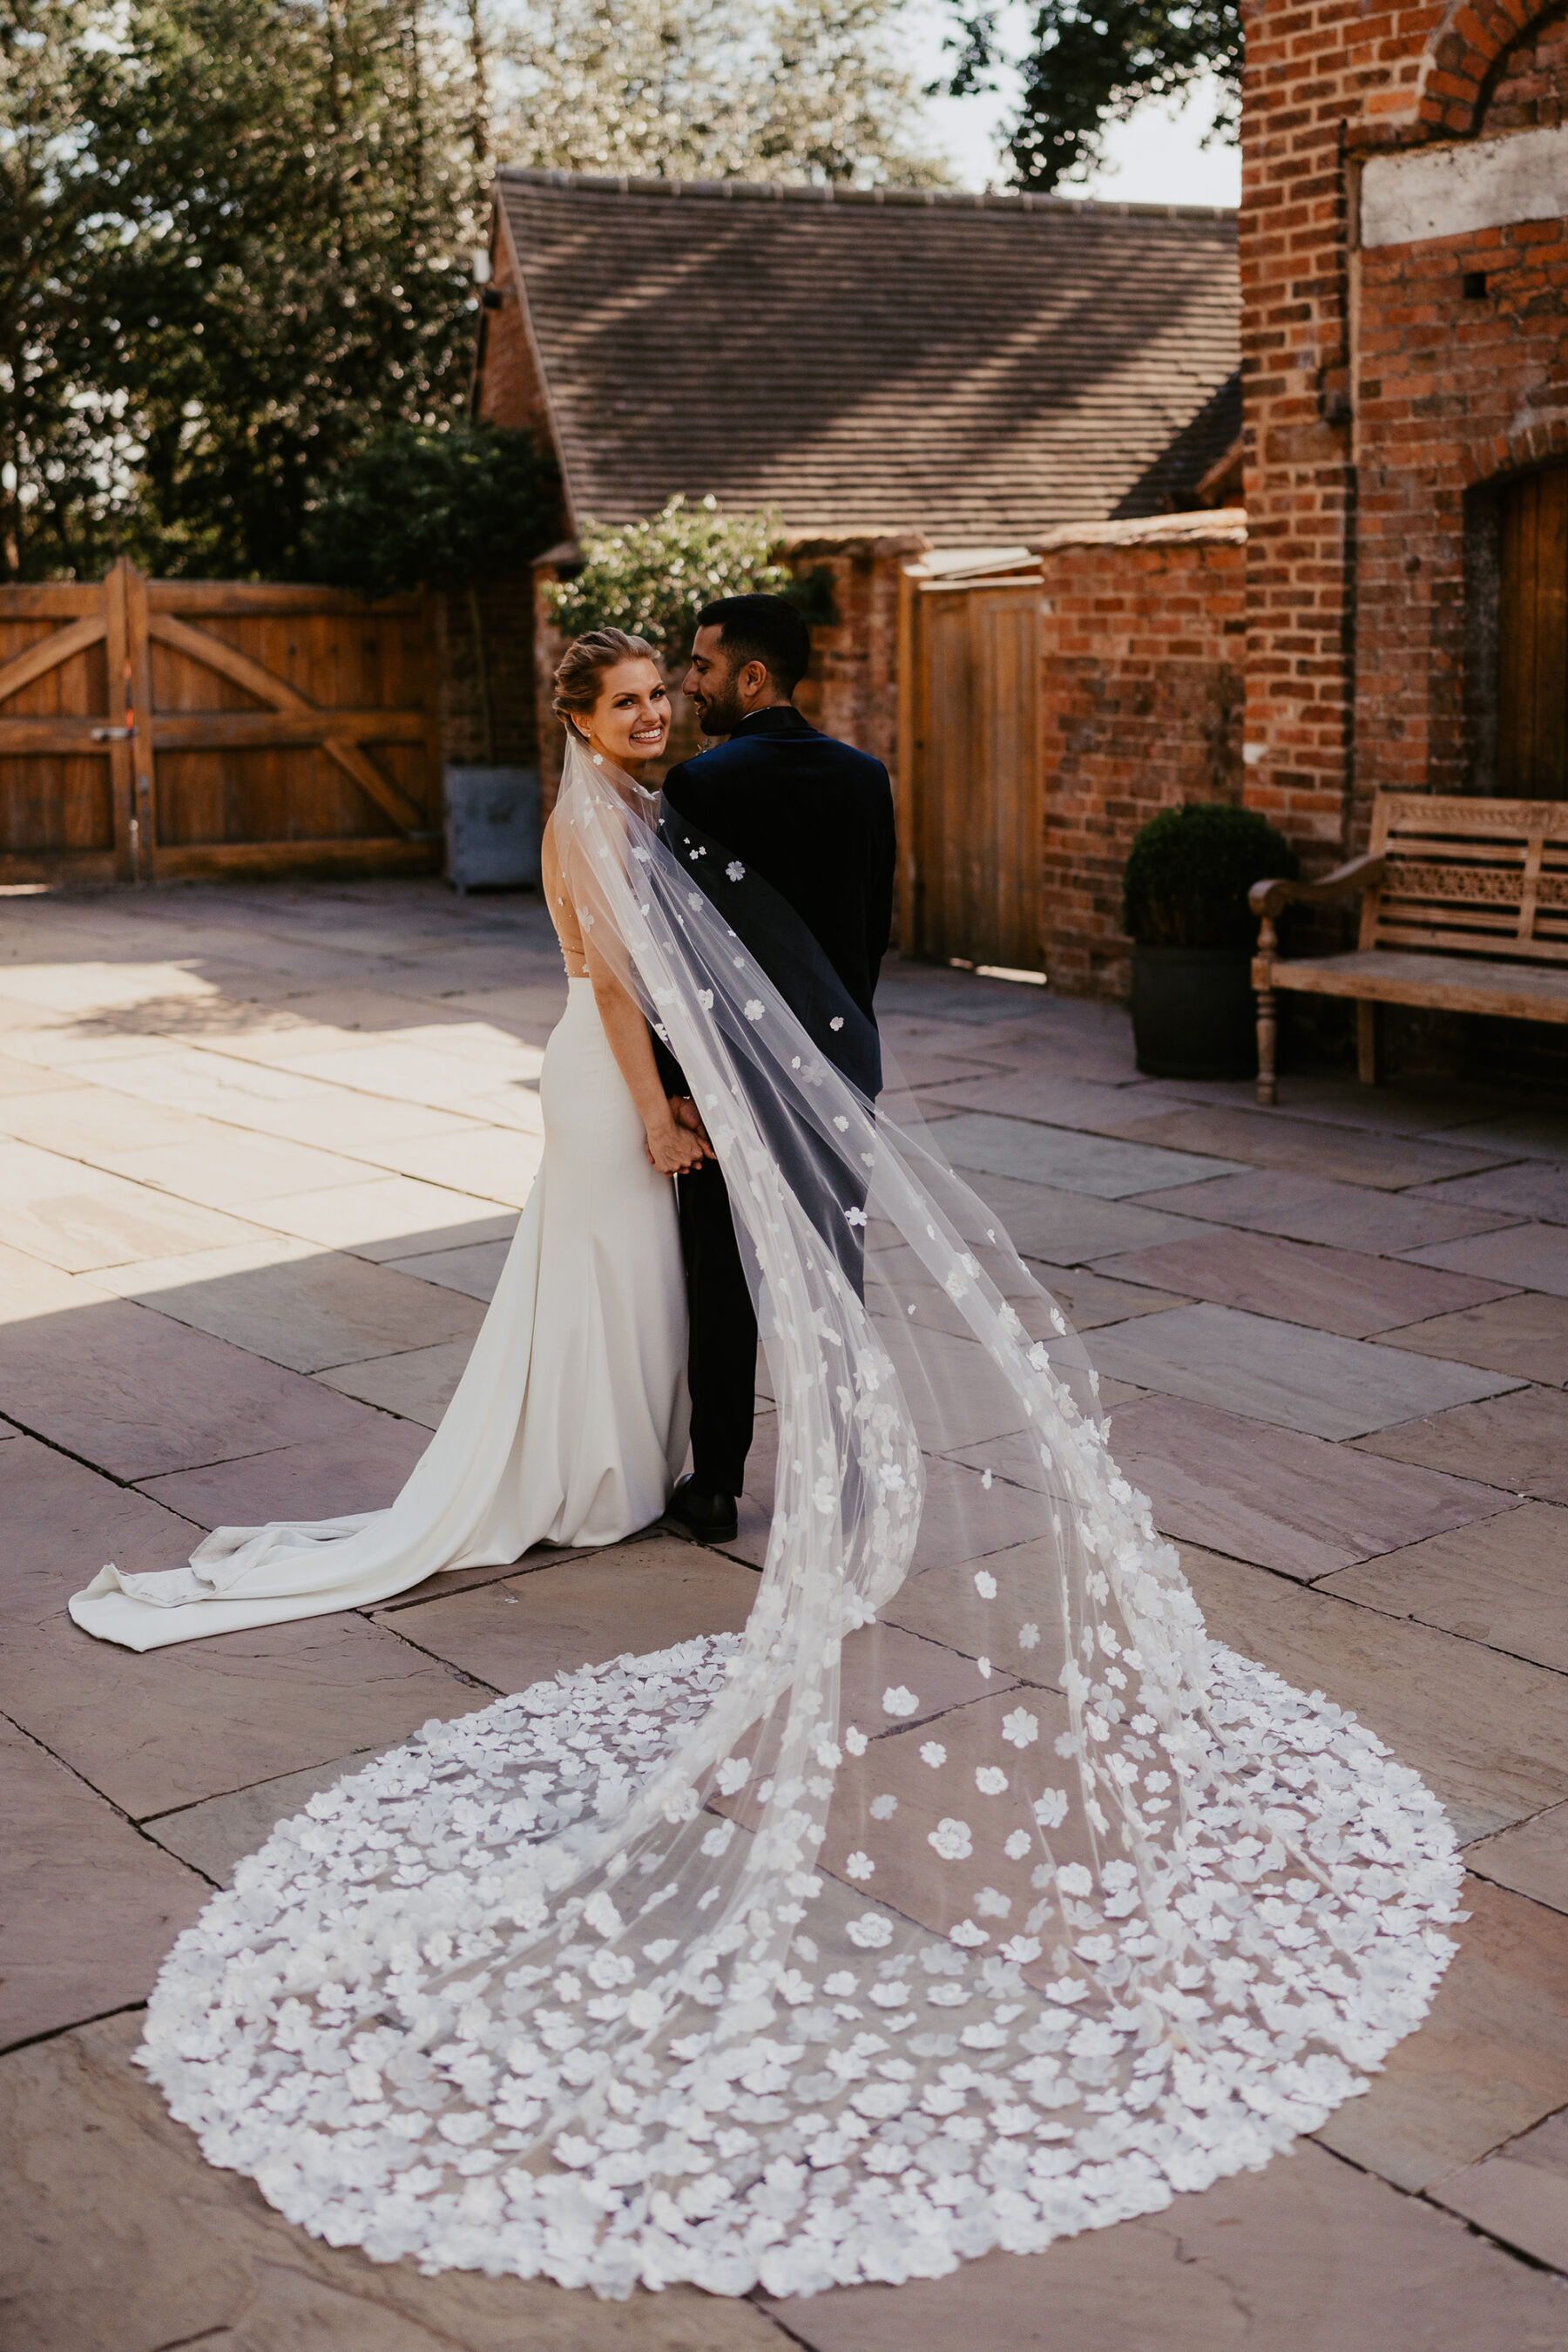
(968, 1899)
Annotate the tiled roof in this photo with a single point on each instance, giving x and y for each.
(978, 368)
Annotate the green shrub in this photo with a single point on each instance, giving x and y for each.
(1190, 869)
(652, 578)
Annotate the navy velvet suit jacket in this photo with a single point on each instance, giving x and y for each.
(815, 818)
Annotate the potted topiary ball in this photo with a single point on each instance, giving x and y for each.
(1185, 908)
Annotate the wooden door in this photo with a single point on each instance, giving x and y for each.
(1532, 638)
(973, 812)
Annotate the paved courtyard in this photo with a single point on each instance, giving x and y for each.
(260, 1153)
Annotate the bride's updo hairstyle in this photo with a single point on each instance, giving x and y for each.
(581, 670)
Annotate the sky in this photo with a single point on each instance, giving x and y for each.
(1152, 159)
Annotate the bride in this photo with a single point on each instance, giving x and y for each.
(970, 1897)
(570, 1424)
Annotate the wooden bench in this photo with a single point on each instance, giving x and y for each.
(1464, 906)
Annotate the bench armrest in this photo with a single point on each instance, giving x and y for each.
(1267, 899)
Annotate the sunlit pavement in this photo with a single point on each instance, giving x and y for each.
(260, 1153)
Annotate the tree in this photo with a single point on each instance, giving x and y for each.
(58, 428)
(800, 89)
(446, 508)
(1091, 63)
(286, 196)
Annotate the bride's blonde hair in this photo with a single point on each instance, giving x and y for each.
(583, 663)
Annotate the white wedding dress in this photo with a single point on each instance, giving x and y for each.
(569, 1425)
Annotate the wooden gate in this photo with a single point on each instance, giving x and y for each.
(972, 817)
(150, 728)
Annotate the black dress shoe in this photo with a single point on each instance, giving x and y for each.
(704, 1518)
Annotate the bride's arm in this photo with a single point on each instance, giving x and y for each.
(672, 1147)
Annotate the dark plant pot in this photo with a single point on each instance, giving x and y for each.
(1194, 1013)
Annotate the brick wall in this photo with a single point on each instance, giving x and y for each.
(1142, 707)
(1381, 396)
(506, 611)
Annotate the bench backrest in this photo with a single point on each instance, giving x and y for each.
(1477, 877)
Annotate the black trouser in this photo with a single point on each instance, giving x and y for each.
(721, 1347)
(721, 1351)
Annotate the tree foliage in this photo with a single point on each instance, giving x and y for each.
(652, 578)
(435, 506)
(789, 89)
(1090, 63)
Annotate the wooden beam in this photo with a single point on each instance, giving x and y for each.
(385, 853)
(188, 730)
(238, 667)
(266, 597)
(49, 652)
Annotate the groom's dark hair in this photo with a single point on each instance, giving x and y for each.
(764, 629)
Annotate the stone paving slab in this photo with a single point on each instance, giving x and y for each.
(1070, 1161)
(1533, 1256)
(418, 1385)
(169, 1728)
(1090, 1299)
(97, 1125)
(1490, 2060)
(1520, 2195)
(1532, 1188)
(1068, 1228)
(1308, 2255)
(88, 1907)
(1343, 1155)
(386, 1217)
(227, 1169)
(123, 2240)
(1520, 1133)
(499, 1164)
(1531, 1859)
(1345, 1291)
(307, 1308)
(638, 1597)
(1313, 1209)
(1502, 1580)
(1526, 1333)
(215, 1835)
(474, 1267)
(943, 1604)
(1283, 1373)
(26, 1078)
(139, 1393)
(1034, 1090)
(1518, 1441)
(1282, 1500)
(326, 1480)
(1488, 1734)
(82, 1218)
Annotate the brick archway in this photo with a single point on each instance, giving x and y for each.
(1463, 59)
(1540, 441)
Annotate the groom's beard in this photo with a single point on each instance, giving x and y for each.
(720, 711)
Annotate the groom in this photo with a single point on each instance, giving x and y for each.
(815, 818)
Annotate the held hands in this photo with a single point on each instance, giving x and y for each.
(677, 1145)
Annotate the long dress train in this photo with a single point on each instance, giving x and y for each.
(569, 1425)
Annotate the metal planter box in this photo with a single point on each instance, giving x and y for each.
(492, 828)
